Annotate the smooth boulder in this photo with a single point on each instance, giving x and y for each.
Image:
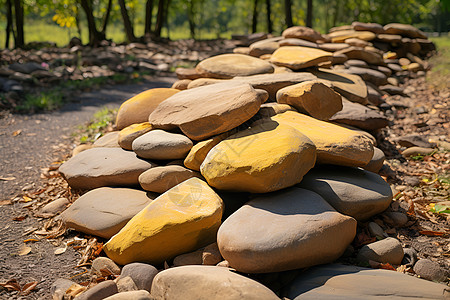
(290, 229)
(162, 145)
(296, 57)
(163, 178)
(181, 220)
(132, 132)
(264, 158)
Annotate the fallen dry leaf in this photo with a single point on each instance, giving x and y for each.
(5, 202)
(24, 250)
(28, 288)
(7, 178)
(60, 251)
(17, 132)
(11, 285)
(431, 233)
(30, 240)
(19, 218)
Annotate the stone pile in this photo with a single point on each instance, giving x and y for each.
(259, 162)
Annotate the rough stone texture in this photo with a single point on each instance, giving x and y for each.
(104, 263)
(185, 73)
(350, 86)
(138, 108)
(142, 274)
(271, 109)
(162, 145)
(370, 57)
(207, 282)
(231, 65)
(360, 116)
(430, 270)
(342, 35)
(264, 158)
(313, 98)
(110, 139)
(377, 161)
(290, 229)
(209, 110)
(130, 133)
(181, 220)
(405, 30)
(104, 211)
(211, 255)
(388, 250)
(351, 191)
(373, 27)
(100, 291)
(131, 295)
(125, 284)
(331, 282)
(373, 76)
(296, 57)
(161, 179)
(271, 83)
(98, 167)
(334, 144)
(302, 32)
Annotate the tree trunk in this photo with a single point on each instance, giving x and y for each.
(336, 13)
(106, 18)
(309, 14)
(77, 21)
(18, 9)
(288, 13)
(94, 35)
(126, 22)
(9, 22)
(148, 16)
(159, 18)
(191, 13)
(269, 20)
(255, 16)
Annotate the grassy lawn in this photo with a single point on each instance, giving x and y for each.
(439, 76)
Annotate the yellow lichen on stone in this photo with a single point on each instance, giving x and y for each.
(181, 220)
(197, 155)
(267, 157)
(297, 57)
(335, 145)
(130, 133)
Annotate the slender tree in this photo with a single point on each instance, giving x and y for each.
(148, 16)
(255, 16)
(269, 19)
(106, 17)
(129, 31)
(160, 17)
(9, 23)
(288, 13)
(309, 14)
(191, 14)
(94, 35)
(19, 37)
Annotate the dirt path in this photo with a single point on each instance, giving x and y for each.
(27, 144)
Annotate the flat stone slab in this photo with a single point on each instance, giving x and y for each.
(98, 167)
(297, 57)
(162, 145)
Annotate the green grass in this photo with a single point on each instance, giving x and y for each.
(47, 100)
(439, 76)
(102, 120)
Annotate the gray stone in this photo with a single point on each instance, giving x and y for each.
(339, 282)
(192, 258)
(377, 161)
(104, 211)
(54, 207)
(388, 250)
(351, 191)
(290, 229)
(376, 231)
(131, 295)
(26, 68)
(161, 145)
(125, 284)
(207, 282)
(111, 139)
(211, 255)
(430, 270)
(161, 179)
(415, 151)
(394, 218)
(100, 291)
(99, 167)
(373, 76)
(141, 273)
(105, 264)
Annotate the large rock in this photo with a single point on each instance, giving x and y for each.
(130, 133)
(302, 32)
(232, 65)
(331, 282)
(209, 110)
(376, 77)
(296, 57)
(104, 211)
(370, 57)
(405, 30)
(138, 108)
(207, 282)
(161, 145)
(360, 116)
(350, 86)
(181, 220)
(99, 167)
(290, 229)
(313, 98)
(161, 179)
(267, 157)
(373, 27)
(267, 46)
(377, 161)
(335, 145)
(271, 83)
(141, 274)
(351, 191)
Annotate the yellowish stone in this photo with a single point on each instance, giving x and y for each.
(197, 155)
(181, 220)
(138, 108)
(265, 158)
(335, 145)
(296, 57)
(130, 133)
